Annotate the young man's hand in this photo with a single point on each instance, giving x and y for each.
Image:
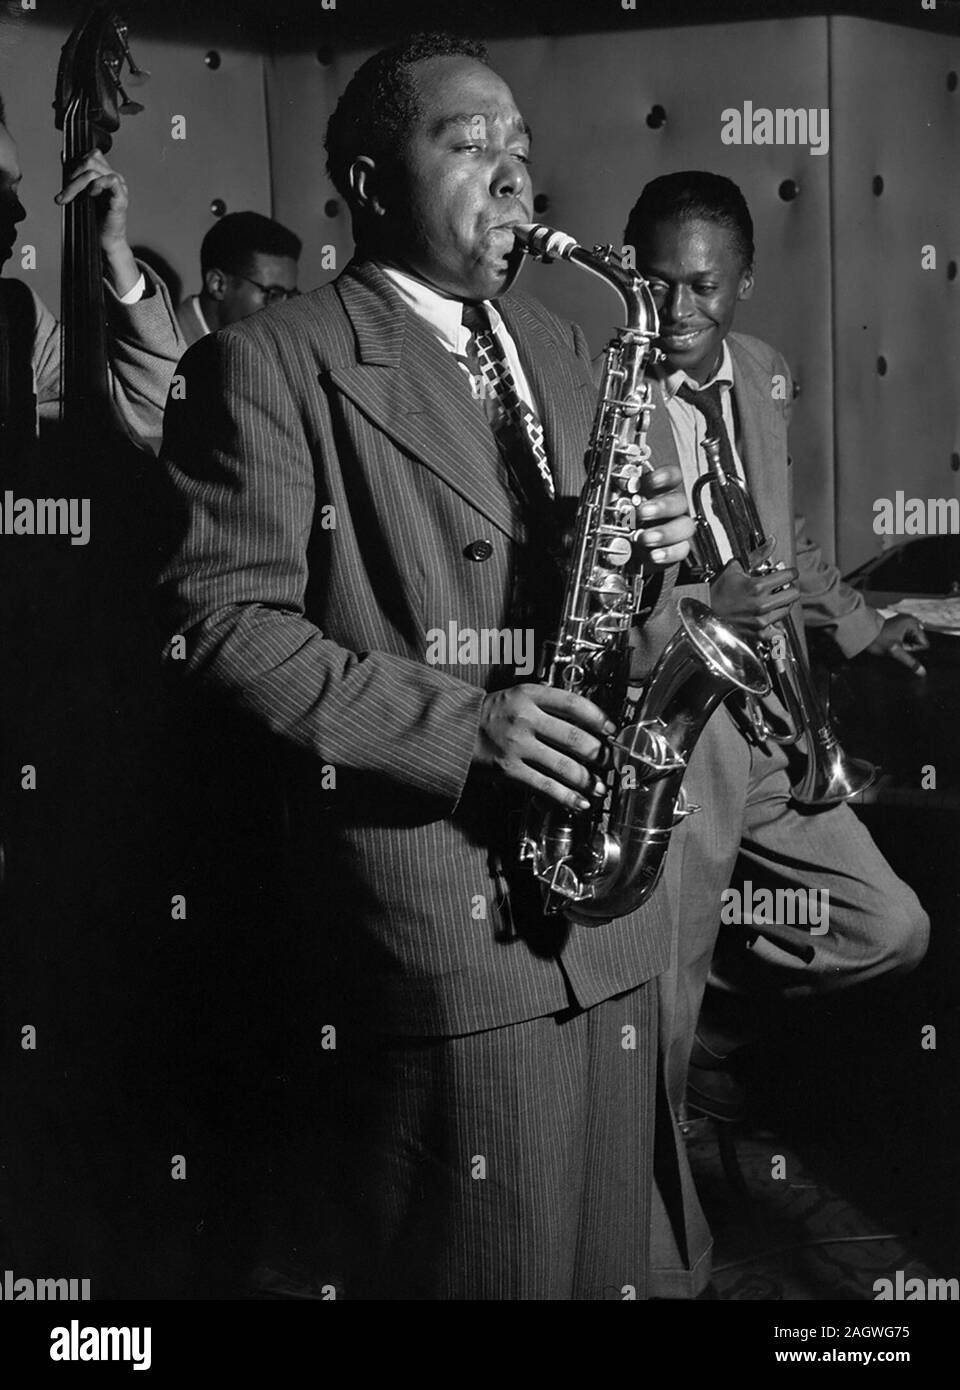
(752, 605)
(899, 637)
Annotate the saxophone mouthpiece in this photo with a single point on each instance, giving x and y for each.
(544, 243)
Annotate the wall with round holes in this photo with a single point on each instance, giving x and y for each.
(216, 154)
(867, 318)
(896, 302)
(611, 110)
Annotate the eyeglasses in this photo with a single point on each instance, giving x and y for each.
(271, 293)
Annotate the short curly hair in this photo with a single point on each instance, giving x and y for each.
(231, 243)
(694, 195)
(380, 103)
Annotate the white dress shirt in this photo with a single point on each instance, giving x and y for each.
(443, 316)
(135, 293)
(194, 302)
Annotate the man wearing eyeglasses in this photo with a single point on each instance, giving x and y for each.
(247, 261)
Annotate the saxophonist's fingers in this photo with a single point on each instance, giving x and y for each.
(666, 478)
(665, 505)
(565, 772)
(571, 709)
(667, 543)
(546, 786)
(669, 555)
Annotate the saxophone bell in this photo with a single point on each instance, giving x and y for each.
(605, 862)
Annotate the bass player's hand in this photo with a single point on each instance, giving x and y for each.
(94, 178)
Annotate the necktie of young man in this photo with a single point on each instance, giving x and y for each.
(709, 402)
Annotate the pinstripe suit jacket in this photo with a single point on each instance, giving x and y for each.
(343, 398)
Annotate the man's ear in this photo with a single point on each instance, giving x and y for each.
(746, 284)
(215, 284)
(366, 186)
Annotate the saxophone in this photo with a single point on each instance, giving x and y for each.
(606, 861)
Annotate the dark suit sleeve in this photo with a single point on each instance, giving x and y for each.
(828, 602)
(242, 479)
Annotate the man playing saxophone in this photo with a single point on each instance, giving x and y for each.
(693, 238)
(487, 1115)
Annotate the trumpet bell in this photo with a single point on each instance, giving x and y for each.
(831, 777)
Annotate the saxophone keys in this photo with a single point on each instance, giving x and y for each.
(560, 880)
(572, 676)
(629, 476)
(637, 454)
(643, 748)
(611, 624)
(618, 551)
(684, 808)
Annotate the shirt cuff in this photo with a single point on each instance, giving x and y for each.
(136, 294)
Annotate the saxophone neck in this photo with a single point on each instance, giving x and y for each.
(547, 244)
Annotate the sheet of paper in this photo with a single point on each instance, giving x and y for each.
(942, 614)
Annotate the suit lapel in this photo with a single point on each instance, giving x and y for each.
(660, 436)
(761, 428)
(442, 427)
(563, 390)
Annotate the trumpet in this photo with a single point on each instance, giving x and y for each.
(830, 776)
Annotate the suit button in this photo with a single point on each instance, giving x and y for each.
(479, 550)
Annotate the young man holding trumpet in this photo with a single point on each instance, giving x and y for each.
(693, 237)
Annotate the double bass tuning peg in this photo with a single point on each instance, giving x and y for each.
(137, 76)
(128, 107)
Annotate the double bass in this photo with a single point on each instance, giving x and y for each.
(89, 102)
(72, 629)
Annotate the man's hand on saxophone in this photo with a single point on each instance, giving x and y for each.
(664, 518)
(546, 739)
(551, 740)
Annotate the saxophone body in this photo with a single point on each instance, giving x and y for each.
(829, 776)
(606, 861)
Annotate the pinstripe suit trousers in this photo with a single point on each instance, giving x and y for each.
(513, 1163)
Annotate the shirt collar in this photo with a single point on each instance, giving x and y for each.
(443, 314)
(672, 381)
(195, 301)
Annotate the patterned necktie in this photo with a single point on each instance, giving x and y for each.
(518, 432)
